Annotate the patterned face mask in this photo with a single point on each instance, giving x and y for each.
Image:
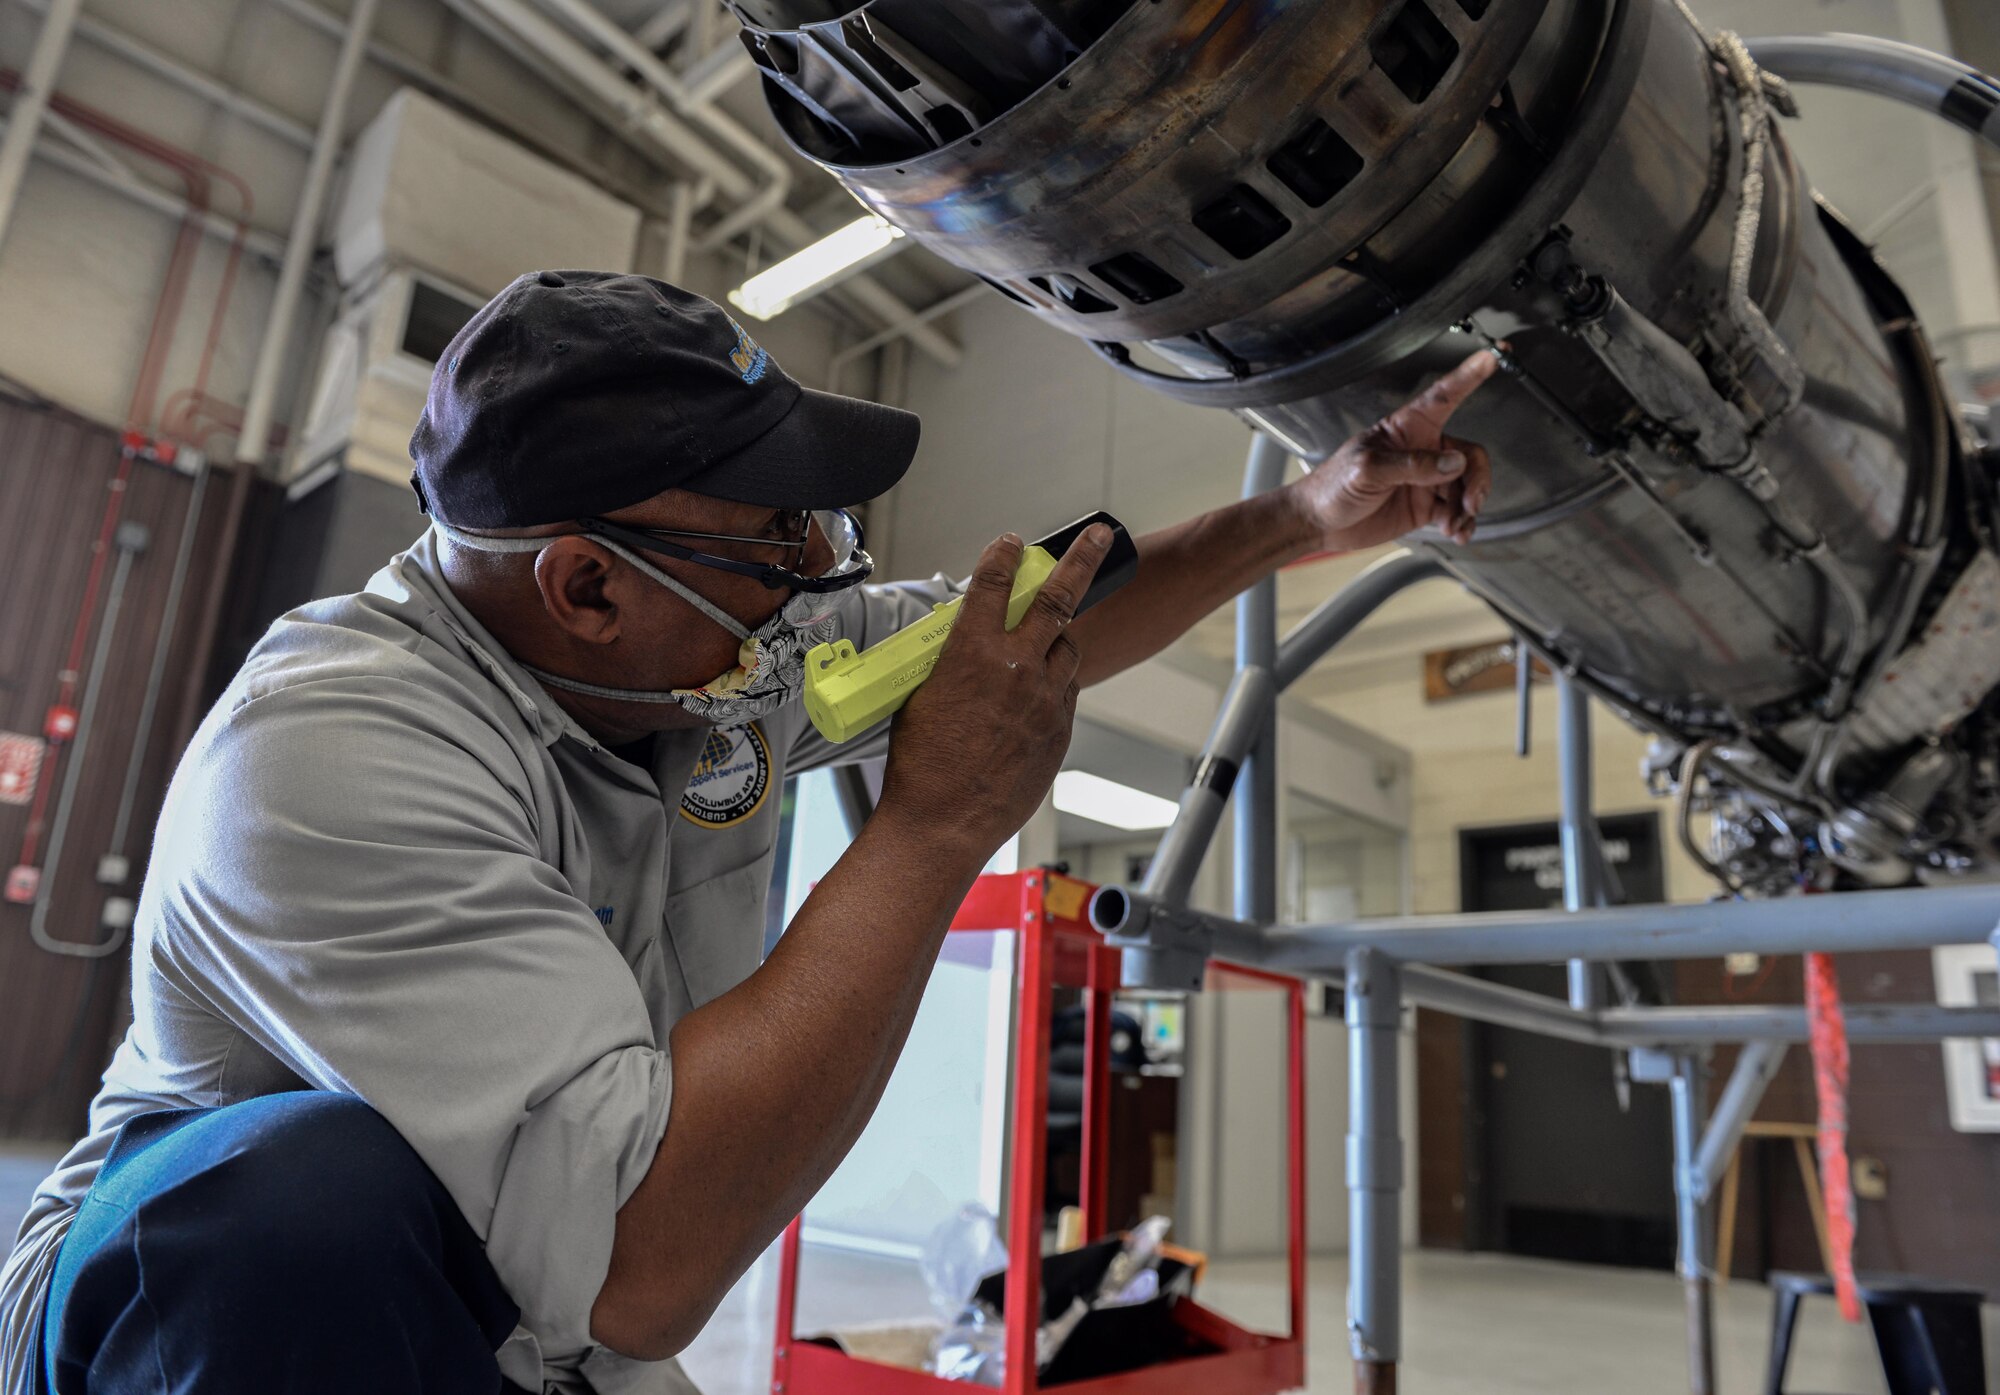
(770, 666)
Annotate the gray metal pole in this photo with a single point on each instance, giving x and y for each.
(1247, 704)
(1340, 614)
(1910, 918)
(1874, 1023)
(253, 442)
(1582, 854)
(1256, 842)
(1374, 1172)
(1245, 709)
(1877, 1023)
(1756, 1066)
(1906, 918)
(131, 539)
(135, 764)
(1481, 1001)
(31, 99)
(680, 232)
(1916, 77)
(1691, 1224)
(1524, 683)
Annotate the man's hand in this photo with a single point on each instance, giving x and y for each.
(1404, 472)
(977, 746)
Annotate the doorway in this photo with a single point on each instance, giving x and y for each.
(1564, 1160)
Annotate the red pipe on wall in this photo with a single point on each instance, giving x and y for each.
(198, 176)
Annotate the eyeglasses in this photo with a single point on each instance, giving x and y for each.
(851, 563)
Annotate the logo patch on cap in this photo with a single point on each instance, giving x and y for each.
(731, 778)
(748, 356)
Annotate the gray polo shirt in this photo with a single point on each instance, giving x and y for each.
(390, 865)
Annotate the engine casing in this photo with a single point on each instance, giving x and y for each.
(1299, 210)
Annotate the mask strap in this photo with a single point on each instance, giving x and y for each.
(504, 545)
(571, 685)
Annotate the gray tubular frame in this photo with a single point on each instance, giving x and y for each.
(1386, 963)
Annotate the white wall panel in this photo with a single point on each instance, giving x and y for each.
(428, 188)
(1017, 436)
(82, 267)
(79, 281)
(1168, 461)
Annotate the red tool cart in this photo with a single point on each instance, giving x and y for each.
(1056, 946)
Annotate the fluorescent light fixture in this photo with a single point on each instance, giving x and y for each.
(1107, 801)
(811, 270)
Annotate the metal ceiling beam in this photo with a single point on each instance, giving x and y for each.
(644, 115)
(666, 24)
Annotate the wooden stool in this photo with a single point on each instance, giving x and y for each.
(1802, 1136)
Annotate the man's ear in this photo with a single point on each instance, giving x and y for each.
(575, 578)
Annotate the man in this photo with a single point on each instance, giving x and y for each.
(452, 1066)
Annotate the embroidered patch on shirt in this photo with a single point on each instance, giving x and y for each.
(731, 778)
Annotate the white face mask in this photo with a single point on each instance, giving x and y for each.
(770, 666)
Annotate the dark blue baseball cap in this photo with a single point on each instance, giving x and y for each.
(577, 393)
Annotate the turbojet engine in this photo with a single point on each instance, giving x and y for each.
(1731, 494)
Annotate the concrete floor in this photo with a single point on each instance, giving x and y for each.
(1474, 1324)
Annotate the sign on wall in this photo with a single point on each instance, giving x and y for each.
(1478, 668)
(1519, 867)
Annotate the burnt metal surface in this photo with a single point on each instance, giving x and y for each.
(1150, 190)
(868, 82)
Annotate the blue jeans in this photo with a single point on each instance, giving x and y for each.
(291, 1243)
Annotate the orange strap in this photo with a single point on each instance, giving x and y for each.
(1829, 1055)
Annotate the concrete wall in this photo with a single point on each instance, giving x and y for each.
(1465, 773)
(82, 268)
(1975, 37)
(1032, 431)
